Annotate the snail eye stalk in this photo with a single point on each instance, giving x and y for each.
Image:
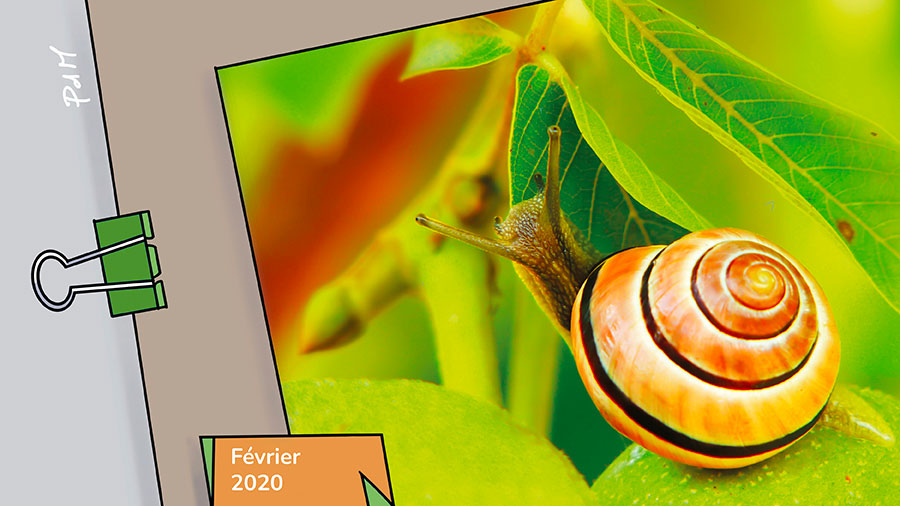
(480, 242)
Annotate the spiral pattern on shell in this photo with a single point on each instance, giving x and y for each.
(718, 350)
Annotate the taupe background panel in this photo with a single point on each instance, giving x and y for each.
(207, 359)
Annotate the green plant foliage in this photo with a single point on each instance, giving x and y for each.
(825, 467)
(626, 166)
(824, 159)
(321, 105)
(313, 95)
(442, 447)
(454, 443)
(461, 44)
(591, 198)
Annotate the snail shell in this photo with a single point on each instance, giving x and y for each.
(718, 350)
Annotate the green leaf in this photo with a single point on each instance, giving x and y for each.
(623, 163)
(590, 196)
(442, 447)
(825, 467)
(461, 44)
(842, 169)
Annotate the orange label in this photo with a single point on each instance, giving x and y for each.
(300, 470)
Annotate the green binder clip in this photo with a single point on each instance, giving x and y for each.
(130, 267)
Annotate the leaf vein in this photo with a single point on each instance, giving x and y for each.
(698, 80)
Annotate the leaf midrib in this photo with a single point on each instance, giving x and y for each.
(697, 81)
(534, 169)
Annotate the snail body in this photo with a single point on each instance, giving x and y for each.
(718, 350)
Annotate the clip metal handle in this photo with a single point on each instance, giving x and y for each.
(49, 254)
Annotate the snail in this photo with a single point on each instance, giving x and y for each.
(718, 350)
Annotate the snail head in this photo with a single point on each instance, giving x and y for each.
(550, 255)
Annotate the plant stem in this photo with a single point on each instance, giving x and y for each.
(541, 28)
(534, 363)
(454, 279)
(454, 276)
(456, 291)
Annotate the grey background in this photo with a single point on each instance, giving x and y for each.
(74, 428)
(207, 359)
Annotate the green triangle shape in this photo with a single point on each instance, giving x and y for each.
(374, 497)
(206, 446)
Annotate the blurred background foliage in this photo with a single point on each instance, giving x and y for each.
(331, 145)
